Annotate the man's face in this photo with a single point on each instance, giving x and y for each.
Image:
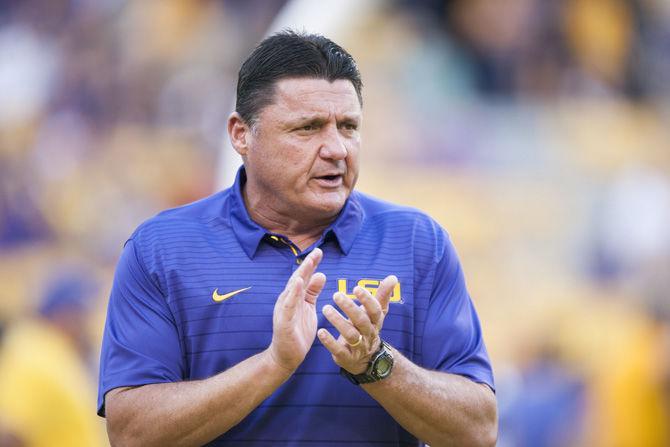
(302, 156)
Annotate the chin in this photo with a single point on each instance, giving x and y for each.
(329, 208)
(329, 204)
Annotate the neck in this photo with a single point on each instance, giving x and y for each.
(301, 230)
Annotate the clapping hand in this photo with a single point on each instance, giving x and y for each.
(359, 330)
(294, 319)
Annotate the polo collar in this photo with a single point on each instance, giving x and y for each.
(348, 223)
(249, 234)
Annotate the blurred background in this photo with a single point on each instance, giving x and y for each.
(536, 131)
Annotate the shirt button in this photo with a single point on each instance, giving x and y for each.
(298, 261)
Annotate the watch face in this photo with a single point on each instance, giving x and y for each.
(383, 366)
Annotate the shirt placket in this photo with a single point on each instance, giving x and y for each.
(297, 255)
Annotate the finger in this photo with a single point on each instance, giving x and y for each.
(314, 287)
(385, 290)
(371, 305)
(287, 289)
(338, 350)
(294, 292)
(359, 318)
(344, 327)
(309, 264)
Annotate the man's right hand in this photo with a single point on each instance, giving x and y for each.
(195, 412)
(294, 320)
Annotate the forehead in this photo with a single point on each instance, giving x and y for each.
(296, 96)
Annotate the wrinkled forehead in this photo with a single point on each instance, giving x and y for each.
(311, 95)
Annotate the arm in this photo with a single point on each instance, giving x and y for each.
(193, 413)
(439, 408)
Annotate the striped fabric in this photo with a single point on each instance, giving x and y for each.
(163, 324)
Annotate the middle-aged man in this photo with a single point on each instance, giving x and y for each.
(212, 326)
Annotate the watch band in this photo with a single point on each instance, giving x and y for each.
(379, 367)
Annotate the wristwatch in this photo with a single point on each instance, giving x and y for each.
(380, 366)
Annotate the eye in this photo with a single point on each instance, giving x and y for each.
(349, 126)
(308, 128)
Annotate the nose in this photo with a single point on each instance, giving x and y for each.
(332, 146)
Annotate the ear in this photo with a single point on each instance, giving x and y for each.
(239, 133)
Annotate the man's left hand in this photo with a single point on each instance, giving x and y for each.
(359, 333)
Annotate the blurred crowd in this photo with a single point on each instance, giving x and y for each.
(536, 131)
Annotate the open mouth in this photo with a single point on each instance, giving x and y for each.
(330, 180)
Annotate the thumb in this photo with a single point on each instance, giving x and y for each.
(314, 287)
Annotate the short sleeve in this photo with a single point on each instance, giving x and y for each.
(452, 339)
(140, 343)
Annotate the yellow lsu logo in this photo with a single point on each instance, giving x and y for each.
(371, 285)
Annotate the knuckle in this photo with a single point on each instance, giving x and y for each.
(361, 318)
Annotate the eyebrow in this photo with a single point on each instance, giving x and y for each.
(321, 118)
(310, 119)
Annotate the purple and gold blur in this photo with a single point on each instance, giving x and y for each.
(537, 132)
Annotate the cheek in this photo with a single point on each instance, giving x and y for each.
(272, 156)
(353, 147)
(352, 161)
(284, 161)
(287, 170)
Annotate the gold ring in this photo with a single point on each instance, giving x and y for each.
(358, 342)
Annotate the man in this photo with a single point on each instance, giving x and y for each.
(45, 384)
(212, 324)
